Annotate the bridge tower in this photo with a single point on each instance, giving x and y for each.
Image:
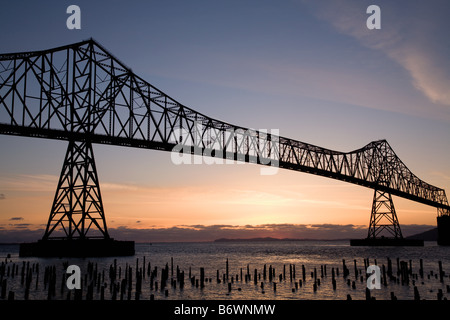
(384, 228)
(383, 217)
(443, 225)
(78, 202)
(76, 225)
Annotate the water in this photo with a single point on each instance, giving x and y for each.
(322, 256)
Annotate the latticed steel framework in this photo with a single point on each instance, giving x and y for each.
(81, 92)
(78, 202)
(383, 218)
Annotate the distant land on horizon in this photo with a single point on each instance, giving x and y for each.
(271, 239)
(430, 235)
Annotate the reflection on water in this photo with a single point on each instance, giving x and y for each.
(287, 260)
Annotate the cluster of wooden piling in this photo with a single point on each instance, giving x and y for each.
(129, 282)
(403, 276)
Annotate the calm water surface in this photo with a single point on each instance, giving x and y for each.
(316, 256)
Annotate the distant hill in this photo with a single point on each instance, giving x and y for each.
(430, 235)
(265, 239)
(252, 239)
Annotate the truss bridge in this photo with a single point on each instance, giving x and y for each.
(81, 93)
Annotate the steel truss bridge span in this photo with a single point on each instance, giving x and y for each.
(81, 92)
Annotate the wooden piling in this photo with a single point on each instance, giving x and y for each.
(389, 270)
(345, 269)
(202, 278)
(367, 294)
(290, 272)
(421, 268)
(3, 291)
(439, 294)
(227, 270)
(181, 280)
(416, 294)
(102, 293)
(37, 276)
(130, 280)
(393, 297)
(143, 268)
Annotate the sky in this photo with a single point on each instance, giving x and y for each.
(310, 69)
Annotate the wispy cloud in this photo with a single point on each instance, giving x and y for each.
(442, 175)
(33, 183)
(408, 37)
(16, 219)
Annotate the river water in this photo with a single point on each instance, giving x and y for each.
(286, 260)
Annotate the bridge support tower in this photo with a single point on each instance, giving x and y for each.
(443, 225)
(383, 217)
(77, 225)
(384, 228)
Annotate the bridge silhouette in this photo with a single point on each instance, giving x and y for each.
(83, 94)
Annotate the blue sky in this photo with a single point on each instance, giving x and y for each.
(310, 69)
